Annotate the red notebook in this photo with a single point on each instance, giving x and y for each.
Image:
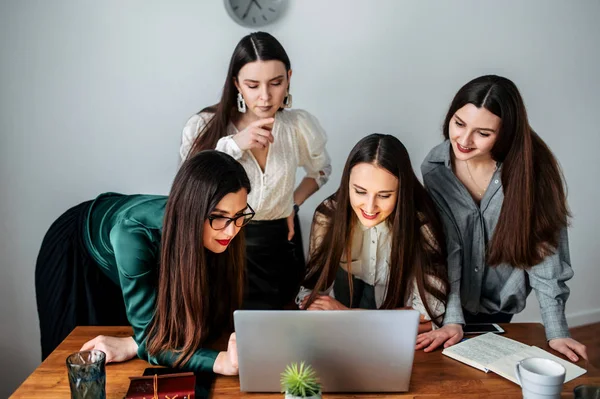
(166, 386)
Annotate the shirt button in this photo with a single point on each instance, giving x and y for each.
(476, 269)
(496, 181)
(373, 241)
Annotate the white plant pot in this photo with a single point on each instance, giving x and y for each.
(317, 396)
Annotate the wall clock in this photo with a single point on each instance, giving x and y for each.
(255, 13)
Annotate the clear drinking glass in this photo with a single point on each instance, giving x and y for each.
(87, 375)
(587, 392)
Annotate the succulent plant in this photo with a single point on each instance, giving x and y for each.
(300, 380)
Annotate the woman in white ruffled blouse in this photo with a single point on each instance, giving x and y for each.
(254, 124)
(383, 220)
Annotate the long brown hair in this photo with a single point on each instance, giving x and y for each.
(414, 255)
(197, 290)
(257, 46)
(531, 176)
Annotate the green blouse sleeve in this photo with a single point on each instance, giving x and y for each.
(136, 253)
(202, 360)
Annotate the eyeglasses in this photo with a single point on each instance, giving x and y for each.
(221, 222)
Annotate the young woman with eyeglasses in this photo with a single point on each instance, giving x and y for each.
(171, 267)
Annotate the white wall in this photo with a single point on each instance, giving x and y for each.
(93, 95)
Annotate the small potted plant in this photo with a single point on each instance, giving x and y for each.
(300, 382)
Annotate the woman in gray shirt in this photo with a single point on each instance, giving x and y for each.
(500, 192)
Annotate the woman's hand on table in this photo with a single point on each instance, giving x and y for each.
(226, 363)
(448, 335)
(569, 347)
(117, 349)
(323, 302)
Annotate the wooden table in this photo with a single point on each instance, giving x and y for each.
(434, 375)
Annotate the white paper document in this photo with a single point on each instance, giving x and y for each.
(492, 352)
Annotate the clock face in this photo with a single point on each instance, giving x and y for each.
(254, 13)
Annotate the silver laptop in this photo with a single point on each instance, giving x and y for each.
(351, 350)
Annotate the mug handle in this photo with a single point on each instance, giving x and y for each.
(518, 374)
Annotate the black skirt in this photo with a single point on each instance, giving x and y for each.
(363, 294)
(275, 266)
(71, 289)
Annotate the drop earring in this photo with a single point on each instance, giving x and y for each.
(241, 104)
(287, 101)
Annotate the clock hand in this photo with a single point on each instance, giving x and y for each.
(247, 9)
(257, 5)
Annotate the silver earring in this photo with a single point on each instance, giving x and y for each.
(287, 101)
(241, 104)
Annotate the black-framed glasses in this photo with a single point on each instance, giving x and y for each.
(221, 222)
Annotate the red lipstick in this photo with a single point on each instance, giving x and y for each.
(463, 149)
(369, 217)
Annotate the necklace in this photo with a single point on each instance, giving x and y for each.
(480, 192)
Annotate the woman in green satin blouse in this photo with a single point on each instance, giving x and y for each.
(171, 267)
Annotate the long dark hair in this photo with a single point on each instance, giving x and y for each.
(197, 289)
(414, 255)
(257, 46)
(531, 176)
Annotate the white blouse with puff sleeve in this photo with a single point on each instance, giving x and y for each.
(298, 140)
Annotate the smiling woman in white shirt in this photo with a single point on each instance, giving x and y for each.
(377, 242)
(254, 124)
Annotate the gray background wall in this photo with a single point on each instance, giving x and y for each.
(93, 96)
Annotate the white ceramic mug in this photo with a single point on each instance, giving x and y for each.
(540, 378)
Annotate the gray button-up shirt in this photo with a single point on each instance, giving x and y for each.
(475, 285)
